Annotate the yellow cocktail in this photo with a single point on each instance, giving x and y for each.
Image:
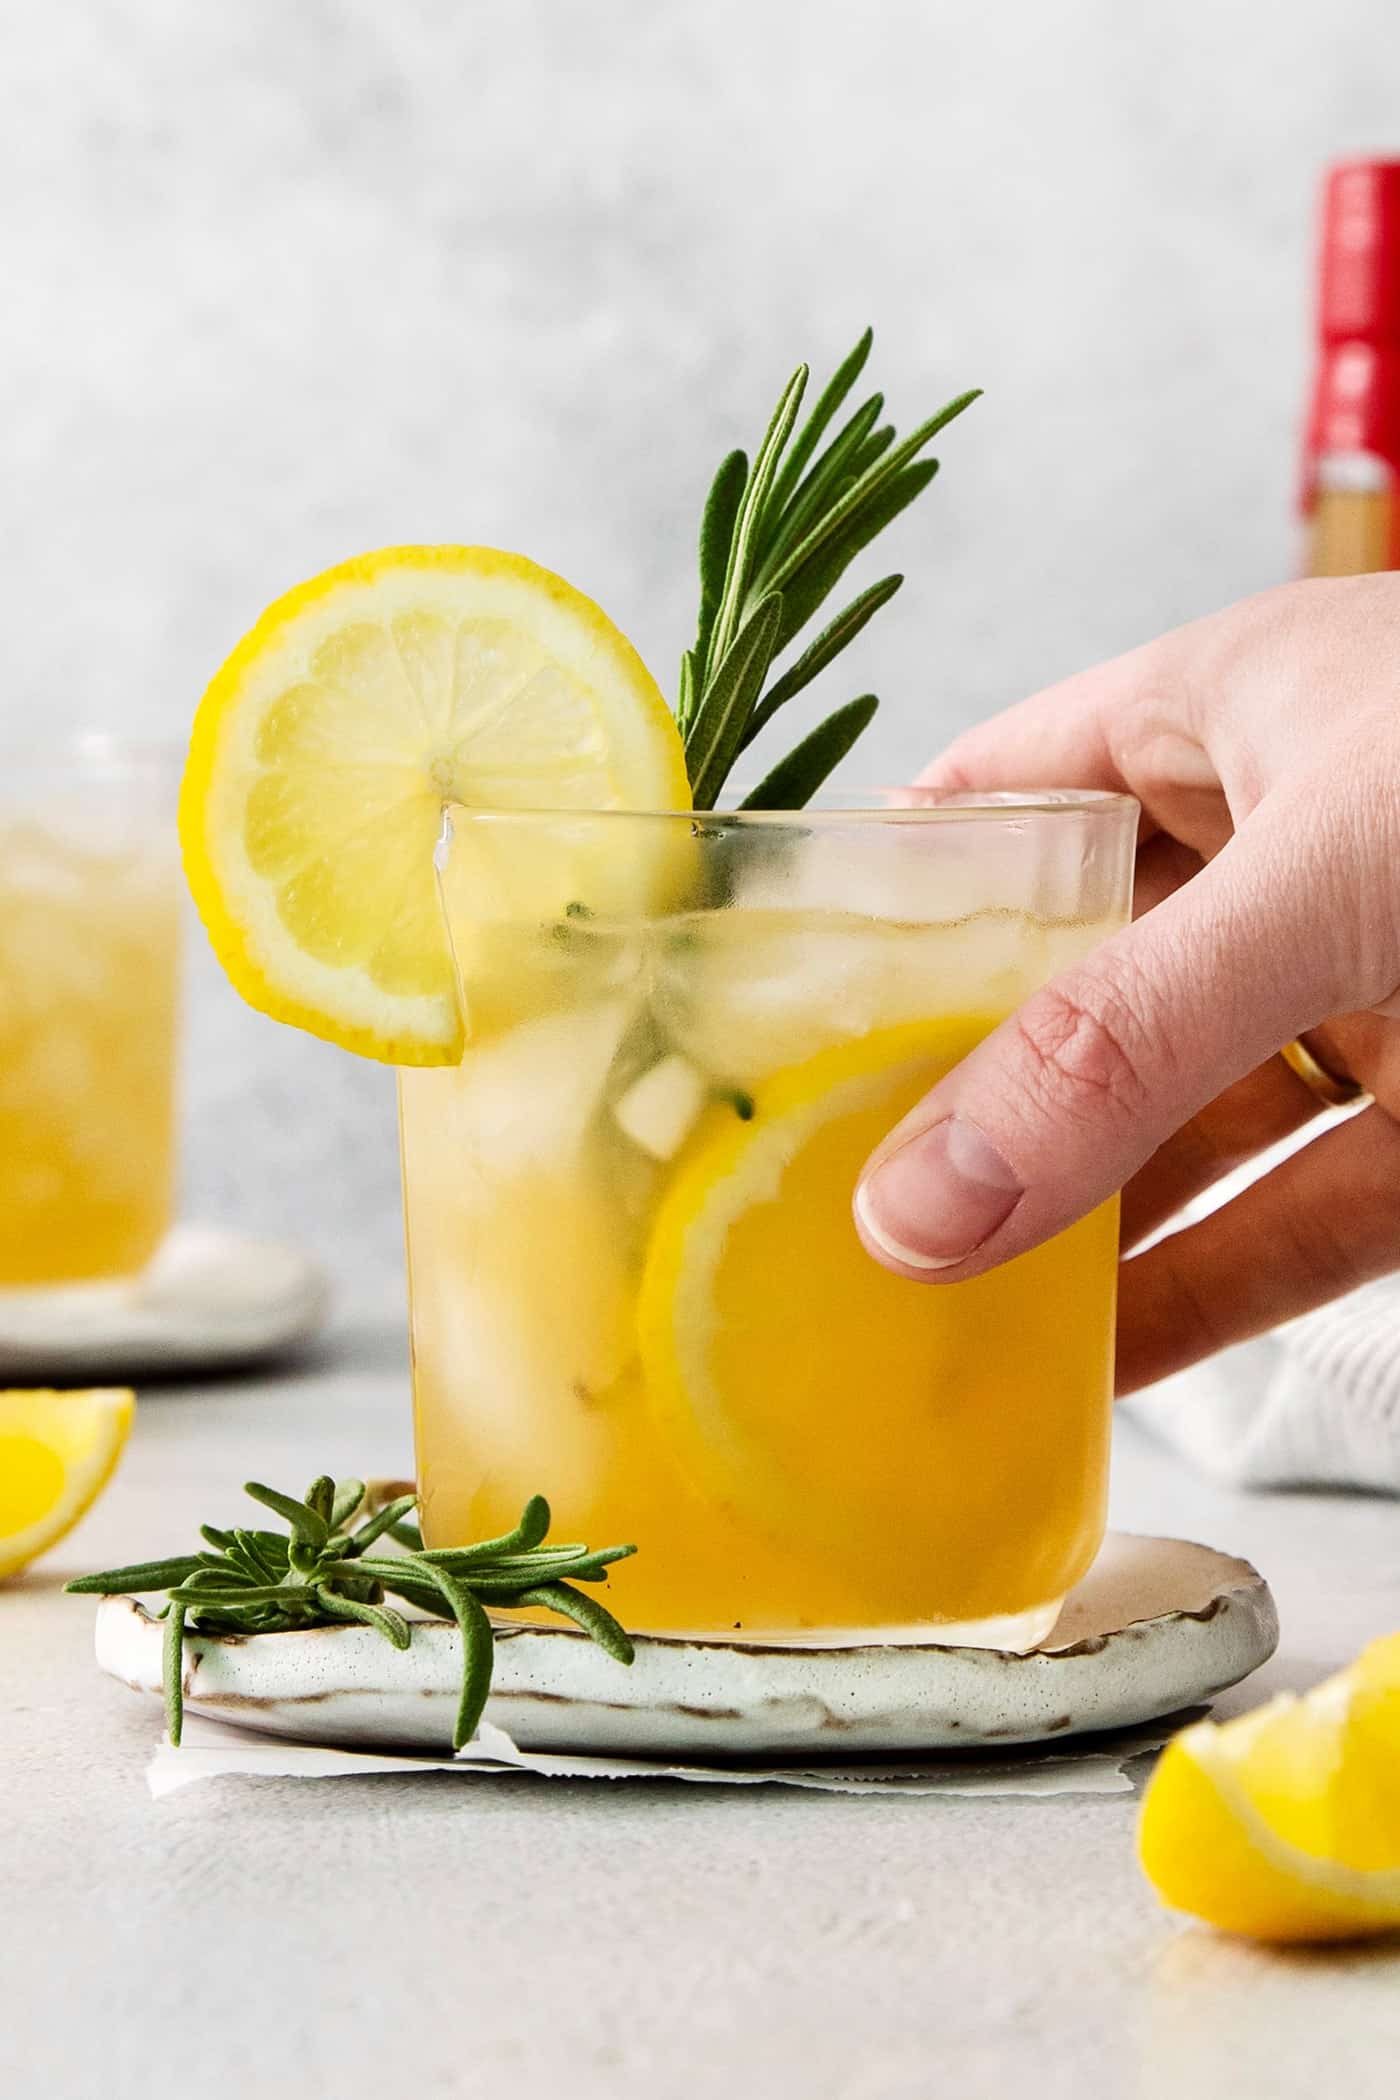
(633, 1266)
(89, 917)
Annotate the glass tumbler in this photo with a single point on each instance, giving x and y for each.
(636, 1284)
(89, 928)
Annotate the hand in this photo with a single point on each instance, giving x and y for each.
(1264, 747)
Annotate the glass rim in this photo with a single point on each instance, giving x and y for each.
(903, 806)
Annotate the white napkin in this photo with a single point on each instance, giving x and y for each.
(1315, 1404)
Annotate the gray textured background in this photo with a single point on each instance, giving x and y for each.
(284, 279)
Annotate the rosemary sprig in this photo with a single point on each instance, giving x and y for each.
(322, 1573)
(775, 540)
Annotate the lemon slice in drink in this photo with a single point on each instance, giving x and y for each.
(327, 746)
(749, 1322)
(1285, 1824)
(57, 1453)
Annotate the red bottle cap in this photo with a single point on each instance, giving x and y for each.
(1359, 273)
(1355, 404)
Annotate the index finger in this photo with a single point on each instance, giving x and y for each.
(1129, 725)
(1059, 737)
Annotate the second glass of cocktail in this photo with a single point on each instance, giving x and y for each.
(89, 938)
(633, 1265)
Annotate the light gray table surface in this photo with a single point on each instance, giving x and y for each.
(450, 1936)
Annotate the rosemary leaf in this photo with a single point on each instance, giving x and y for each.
(306, 1523)
(382, 1617)
(218, 1571)
(135, 1581)
(747, 526)
(383, 1520)
(228, 1594)
(407, 1579)
(810, 435)
(275, 1544)
(585, 1612)
(826, 480)
(502, 1589)
(866, 488)
(873, 448)
(818, 654)
(478, 1654)
(173, 1671)
(796, 778)
(349, 1494)
(264, 1551)
(716, 537)
(251, 1569)
(818, 577)
(532, 1528)
(730, 700)
(685, 692)
(320, 1499)
(534, 1557)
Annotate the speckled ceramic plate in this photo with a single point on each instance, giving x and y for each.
(1156, 1625)
(211, 1299)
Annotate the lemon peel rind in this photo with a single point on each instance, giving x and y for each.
(118, 1404)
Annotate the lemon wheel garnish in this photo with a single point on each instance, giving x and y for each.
(1285, 1824)
(326, 748)
(57, 1453)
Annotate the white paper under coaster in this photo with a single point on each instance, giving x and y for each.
(1090, 1765)
(1156, 1626)
(210, 1298)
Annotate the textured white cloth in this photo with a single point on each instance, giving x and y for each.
(1314, 1404)
(1317, 1403)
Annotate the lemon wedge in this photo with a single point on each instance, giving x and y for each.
(57, 1453)
(1285, 1824)
(328, 745)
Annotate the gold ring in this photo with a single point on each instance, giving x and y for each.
(1329, 1087)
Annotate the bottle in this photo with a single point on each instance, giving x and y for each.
(1350, 493)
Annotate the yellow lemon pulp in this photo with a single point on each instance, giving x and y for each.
(327, 747)
(31, 1481)
(1285, 1823)
(57, 1453)
(806, 1384)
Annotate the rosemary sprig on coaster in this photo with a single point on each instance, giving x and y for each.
(776, 538)
(321, 1573)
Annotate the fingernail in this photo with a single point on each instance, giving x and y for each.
(935, 1200)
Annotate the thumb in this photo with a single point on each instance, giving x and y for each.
(1063, 1102)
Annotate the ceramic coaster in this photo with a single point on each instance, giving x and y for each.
(1157, 1625)
(210, 1298)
